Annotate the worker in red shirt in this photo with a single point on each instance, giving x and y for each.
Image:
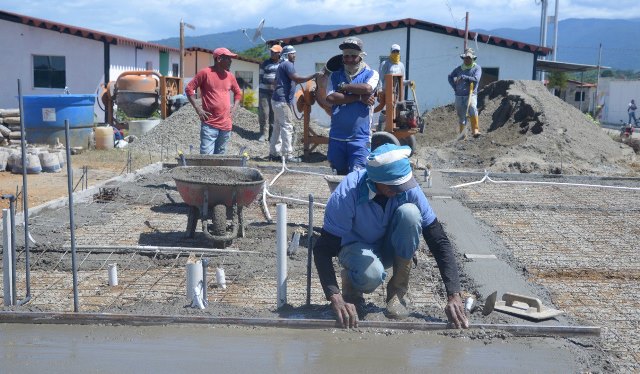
(216, 113)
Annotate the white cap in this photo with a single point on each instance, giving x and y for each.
(395, 47)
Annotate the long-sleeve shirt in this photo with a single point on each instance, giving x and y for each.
(465, 78)
(354, 214)
(267, 76)
(214, 90)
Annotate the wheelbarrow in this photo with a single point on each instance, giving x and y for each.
(215, 192)
(211, 160)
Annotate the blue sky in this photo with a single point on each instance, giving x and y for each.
(158, 19)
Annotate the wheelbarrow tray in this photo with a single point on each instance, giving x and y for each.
(213, 160)
(218, 185)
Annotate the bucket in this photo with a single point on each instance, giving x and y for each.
(141, 127)
(44, 117)
(50, 162)
(104, 137)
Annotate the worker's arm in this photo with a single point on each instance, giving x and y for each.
(327, 247)
(237, 96)
(301, 79)
(190, 90)
(440, 247)
(202, 114)
(349, 93)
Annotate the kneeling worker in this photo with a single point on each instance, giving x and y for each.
(373, 221)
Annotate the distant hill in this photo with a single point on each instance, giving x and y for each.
(237, 41)
(578, 40)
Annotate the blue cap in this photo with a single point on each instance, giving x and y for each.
(389, 164)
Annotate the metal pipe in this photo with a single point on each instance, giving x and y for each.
(153, 248)
(281, 254)
(555, 31)
(74, 269)
(309, 248)
(205, 266)
(148, 320)
(25, 200)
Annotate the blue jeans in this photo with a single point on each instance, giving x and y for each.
(461, 107)
(366, 263)
(632, 118)
(213, 141)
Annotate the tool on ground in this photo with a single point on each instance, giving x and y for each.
(519, 305)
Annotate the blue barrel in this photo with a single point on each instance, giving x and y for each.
(44, 117)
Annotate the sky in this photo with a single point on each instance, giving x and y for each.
(159, 19)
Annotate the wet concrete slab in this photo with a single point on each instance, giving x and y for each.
(102, 349)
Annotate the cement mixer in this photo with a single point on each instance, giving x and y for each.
(139, 94)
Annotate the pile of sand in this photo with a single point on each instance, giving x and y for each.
(525, 129)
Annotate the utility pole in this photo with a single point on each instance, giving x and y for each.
(466, 31)
(555, 32)
(543, 29)
(595, 99)
(182, 25)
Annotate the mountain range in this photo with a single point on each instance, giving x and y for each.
(578, 40)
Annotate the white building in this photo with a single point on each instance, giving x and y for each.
(616, 94)
(48, 56)
(429, 51)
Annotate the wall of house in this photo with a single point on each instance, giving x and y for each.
(83, 61)
(433, 56)
(616, 95)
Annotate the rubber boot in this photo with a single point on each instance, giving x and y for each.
(349, 294)
(475, 128)
(398, 298)
(462, 135)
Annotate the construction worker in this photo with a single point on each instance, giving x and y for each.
(350, 93)
(267, 79)
(281, 140)
(373, 221)
(466, 103)
(392, 65)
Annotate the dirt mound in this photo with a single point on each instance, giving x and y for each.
(525, 129)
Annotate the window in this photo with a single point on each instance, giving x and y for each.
(579, 96)
(175, 71)
(148, 65)
(245, 79)
(49, 72)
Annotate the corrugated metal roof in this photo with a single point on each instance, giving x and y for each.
(410, 22)
(241, 58)
(80, 32)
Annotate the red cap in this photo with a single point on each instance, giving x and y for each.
(223, 52)
(276, 48)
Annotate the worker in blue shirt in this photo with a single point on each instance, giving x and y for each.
(373, 221)
(466, 101)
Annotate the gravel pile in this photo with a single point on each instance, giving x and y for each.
(181, 131)
(526, 129)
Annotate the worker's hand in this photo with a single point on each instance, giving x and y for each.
(455, 312)
(368, 99)
(346, 314)
(203, 115)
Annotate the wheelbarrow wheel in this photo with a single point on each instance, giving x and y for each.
(219, 221)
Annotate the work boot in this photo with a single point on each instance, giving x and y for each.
(263, 133)
(349, 294)
(398, 298)
(475, 128)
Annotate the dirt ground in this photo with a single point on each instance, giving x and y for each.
(526, 131)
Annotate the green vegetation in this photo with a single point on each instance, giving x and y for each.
(592, 76)
(249, 99)
(557, 80)
(259, 52)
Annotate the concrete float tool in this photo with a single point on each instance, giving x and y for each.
(521, 306)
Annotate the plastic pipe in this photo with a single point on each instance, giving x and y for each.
(194, 280)
(281, 250)
(113, 274)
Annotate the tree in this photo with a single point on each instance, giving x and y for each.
(258, 52)
(557, 80)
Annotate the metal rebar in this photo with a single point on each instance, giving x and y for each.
(309, 248)
(25, 200)
(153, 248)
(74, 269)
(148, 320)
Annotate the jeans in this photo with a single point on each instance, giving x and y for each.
(632, 115)
(212, 140)
(461, 107)
(366, 263)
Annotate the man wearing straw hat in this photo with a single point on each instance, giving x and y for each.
(373, 221)
(464, 80)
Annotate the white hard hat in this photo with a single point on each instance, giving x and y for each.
(395, 47)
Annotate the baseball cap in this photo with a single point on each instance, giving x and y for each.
(352, 43)
(395, 47)
(223, 52)
(276, 48)
(389, 164)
